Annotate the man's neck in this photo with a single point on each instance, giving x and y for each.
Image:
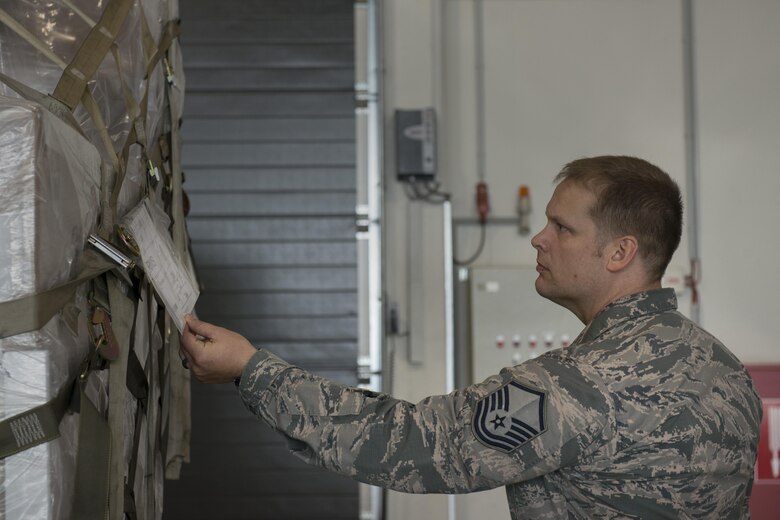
(617, 293)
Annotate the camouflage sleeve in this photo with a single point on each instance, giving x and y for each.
(524, 422)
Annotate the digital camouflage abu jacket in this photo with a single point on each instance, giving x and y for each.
(646, 415)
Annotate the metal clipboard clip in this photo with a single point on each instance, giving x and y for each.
(111, 252)
(128, 240)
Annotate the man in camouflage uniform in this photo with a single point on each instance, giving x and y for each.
(646, 415)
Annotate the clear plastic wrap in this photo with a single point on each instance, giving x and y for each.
(49, 202)
(62, 29)
(49, 198)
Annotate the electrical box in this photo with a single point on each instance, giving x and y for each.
(511, 323)
(415, 144)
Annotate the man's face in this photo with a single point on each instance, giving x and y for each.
(570, 266)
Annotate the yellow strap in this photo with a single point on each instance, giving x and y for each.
(73, 82)
(100, 125)
(79, 12)
(170, 33)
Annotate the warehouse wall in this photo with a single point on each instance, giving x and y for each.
(566, 79)
(269, 159)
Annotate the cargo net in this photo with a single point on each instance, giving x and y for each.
(94, 402)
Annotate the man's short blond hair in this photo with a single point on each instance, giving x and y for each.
(633, 197)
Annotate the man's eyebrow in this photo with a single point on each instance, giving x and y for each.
(557, 219)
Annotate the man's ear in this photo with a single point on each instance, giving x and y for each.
(622, 252)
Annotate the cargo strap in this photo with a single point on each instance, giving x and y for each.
(123, 312)
(73, 82)
(149, 400)
(139, 387)
(73, 7)
(54, 106)
(34, 311)
(90, 497)
(135, 381)
(90, 105)
(180, 418)
(159, 320)
(170, 33)
(35, 426)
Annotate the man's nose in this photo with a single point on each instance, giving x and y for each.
(536, 241)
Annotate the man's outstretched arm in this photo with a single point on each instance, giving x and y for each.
(456, 443)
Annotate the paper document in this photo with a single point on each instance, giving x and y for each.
(161, 264)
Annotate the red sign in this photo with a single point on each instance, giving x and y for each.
(765, 499)
(768, 463)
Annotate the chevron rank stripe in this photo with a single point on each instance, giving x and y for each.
(510, 416)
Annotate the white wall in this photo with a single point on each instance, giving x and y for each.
(739, 117)
(572, 78)
(408, 83)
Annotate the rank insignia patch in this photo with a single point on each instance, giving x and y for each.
(509, 417)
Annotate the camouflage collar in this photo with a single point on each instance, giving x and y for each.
(628, 308)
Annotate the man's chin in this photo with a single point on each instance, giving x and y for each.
(541, 290)
(548, 293)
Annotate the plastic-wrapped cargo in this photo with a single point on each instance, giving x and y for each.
(61, 26)
(49, 203)
(140, 105)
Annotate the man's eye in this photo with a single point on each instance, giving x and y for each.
(561, 227)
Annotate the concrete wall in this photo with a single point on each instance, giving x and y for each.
(572, 78)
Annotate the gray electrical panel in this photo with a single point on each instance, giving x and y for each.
(511, 323)
(415, 144)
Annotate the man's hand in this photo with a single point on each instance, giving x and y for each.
(214, 354)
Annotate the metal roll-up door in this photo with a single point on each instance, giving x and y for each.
(269, 160)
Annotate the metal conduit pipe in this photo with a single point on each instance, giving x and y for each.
(692, 153)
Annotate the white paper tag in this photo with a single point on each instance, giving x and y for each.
(161, 264)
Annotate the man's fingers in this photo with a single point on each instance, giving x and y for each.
(201, 328)
(188, 338)
(185, 360)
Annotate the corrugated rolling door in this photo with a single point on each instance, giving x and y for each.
(269, 160)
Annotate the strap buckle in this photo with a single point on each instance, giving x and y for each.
(129, 241)
(102, 335)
